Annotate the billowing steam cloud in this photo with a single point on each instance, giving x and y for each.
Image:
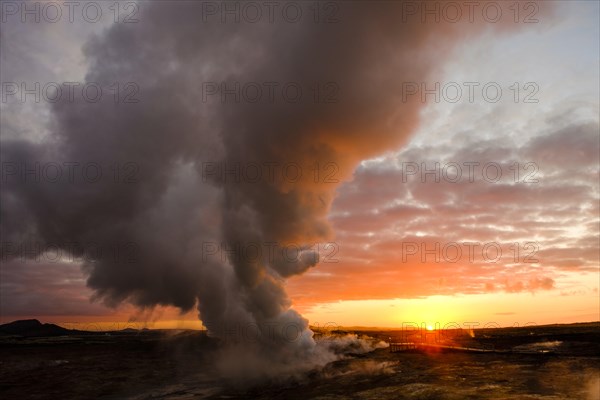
(175, 211)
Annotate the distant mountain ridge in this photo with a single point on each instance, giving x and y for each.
(33, 328)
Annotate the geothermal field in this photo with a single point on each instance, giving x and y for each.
(545, 362)
(312, 199)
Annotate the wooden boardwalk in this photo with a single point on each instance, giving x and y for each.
(407, 346)
(398, 347)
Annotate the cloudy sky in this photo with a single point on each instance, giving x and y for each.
(457, 168)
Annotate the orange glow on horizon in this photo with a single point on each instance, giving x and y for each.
(430, 313)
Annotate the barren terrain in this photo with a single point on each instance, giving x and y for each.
(551, 362)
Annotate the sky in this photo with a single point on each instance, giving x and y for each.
(442, 205)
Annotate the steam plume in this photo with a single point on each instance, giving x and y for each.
(172, 136)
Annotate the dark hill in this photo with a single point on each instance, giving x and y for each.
(32, 328)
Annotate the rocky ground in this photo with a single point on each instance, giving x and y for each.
(180, 365)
